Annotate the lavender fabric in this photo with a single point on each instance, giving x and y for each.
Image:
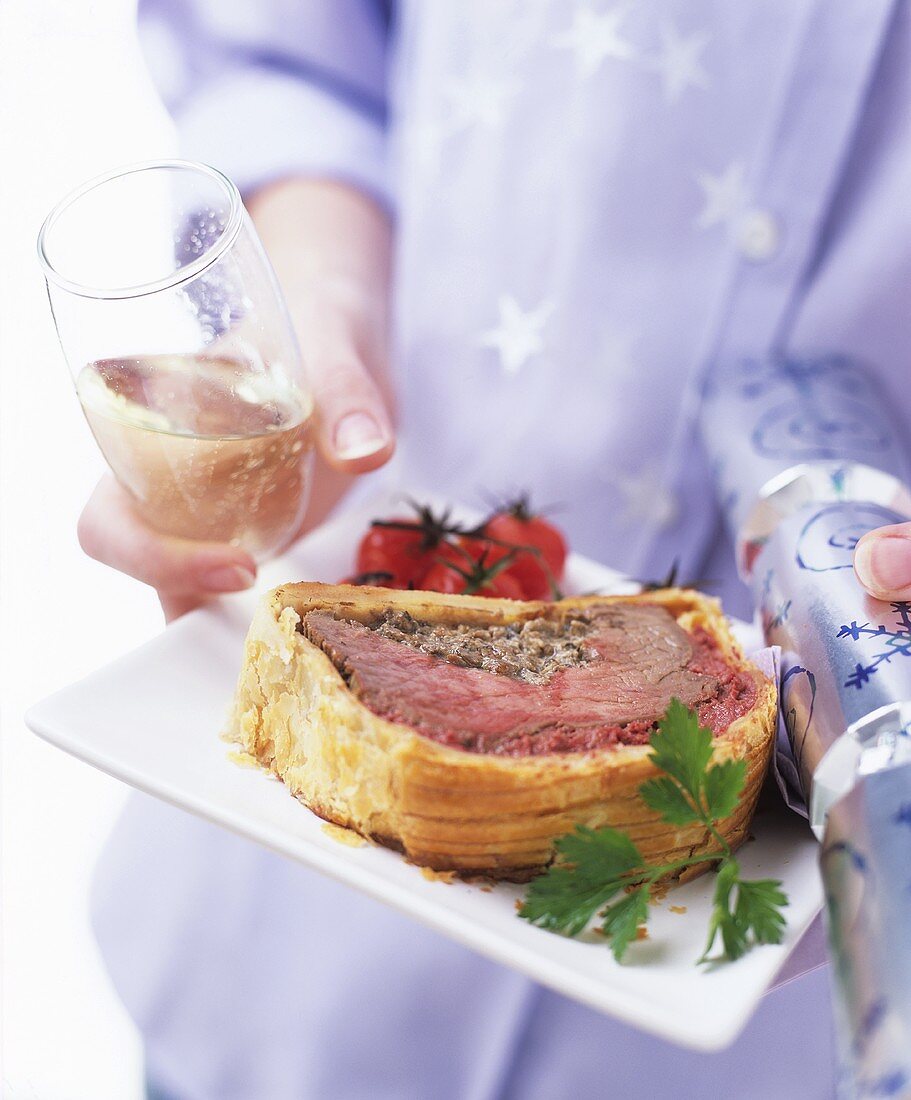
(593, 202)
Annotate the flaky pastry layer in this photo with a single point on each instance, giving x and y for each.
(448, 809)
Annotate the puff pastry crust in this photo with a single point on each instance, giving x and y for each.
(444, 808)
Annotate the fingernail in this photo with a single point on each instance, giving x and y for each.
(228, 578)
(884, 564)
(358, 435)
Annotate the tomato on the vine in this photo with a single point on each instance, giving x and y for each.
(520, 525)
(526, 569)
(396, 551)
(403, 546)
(456, 571)
(539, 568)
(431, 552)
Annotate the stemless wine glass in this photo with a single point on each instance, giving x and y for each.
(183, 354)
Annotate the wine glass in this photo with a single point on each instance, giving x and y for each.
(182, 352)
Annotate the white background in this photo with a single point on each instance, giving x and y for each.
(74, 100)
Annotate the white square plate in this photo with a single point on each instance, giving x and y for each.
(153, 719)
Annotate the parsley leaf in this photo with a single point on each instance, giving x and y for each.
(722, 919)
(758, 909)
(682, 748)
(664, 797)
(745, 912)
(593, 866)
(623, 918)
(607, 851)
(558, 902)
(723, 784)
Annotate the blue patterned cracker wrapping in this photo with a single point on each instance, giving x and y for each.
(844, 654)
(867, 875)
(807, 460)
(762, 417)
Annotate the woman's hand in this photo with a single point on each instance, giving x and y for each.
(882, 562)
(330, 246)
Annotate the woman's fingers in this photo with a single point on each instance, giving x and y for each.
(354, 432)
(111, 532)
(331, 249)
(343, 359)
(882, 562)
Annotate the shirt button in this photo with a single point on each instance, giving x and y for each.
(758, 235)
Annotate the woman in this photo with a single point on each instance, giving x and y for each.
(591, 204)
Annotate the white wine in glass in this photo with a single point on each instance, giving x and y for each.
(201, 456)
(185, 362)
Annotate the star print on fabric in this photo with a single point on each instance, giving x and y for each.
(593, 38)
(678, 62)
(724, 196)
(647, 499)
(481, 100)
(518, 335)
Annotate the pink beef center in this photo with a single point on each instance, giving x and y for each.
(637, 658)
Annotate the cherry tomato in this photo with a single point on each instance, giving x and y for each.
(519, 526)
(404, 550)
(526, 569)
(404, 546)
(394, 550)
(456, 572)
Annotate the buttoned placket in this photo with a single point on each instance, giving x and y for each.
(792, 185)
(796, 177)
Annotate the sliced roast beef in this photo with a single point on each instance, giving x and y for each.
(517, 689)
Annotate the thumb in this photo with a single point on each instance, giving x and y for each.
(882, 562)
(354, 433)
(354, 429)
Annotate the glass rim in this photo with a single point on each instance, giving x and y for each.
(167, 282)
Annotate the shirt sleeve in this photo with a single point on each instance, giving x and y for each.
(274, 88)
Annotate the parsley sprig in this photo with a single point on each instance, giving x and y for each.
(594, 866)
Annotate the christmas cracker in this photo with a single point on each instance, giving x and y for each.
(807, 459)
